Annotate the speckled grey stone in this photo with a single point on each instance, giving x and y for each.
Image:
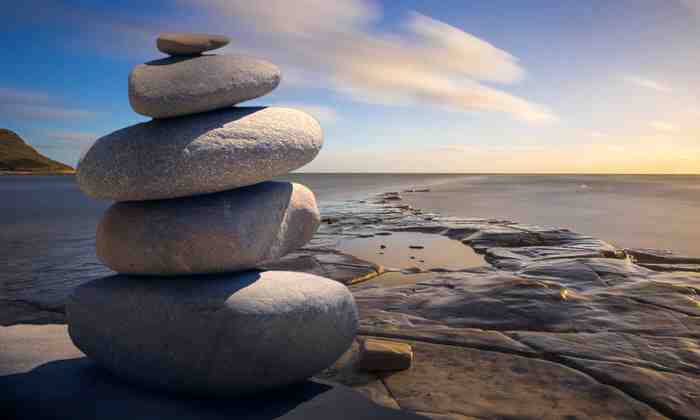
(199, 154)
(214, 233)
(213, 335)
(178, 86)
(185, 43)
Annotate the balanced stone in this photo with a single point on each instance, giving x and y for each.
(178, 86)
(198, 154)
(214, 336)
(214, 233)
(183, 43)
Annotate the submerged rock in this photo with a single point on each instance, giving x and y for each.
(213, 233)
(179, 86)
(213, 335)
(199, 154)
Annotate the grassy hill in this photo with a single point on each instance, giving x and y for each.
(18, 156)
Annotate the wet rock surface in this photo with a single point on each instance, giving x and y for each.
(559, 325)
(556, 325)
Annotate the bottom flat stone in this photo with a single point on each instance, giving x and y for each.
(223, 335)
(44, 376)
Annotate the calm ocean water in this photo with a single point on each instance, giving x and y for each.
(47, 225)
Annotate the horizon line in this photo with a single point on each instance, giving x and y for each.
(497, 173)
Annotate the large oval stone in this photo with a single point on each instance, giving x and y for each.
(177, 86)
(214, 233)
(213, 335)
(199, 154)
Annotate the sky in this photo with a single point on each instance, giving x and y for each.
(455, 86)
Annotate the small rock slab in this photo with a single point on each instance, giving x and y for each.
(384, 355)
(200, 154)
(221, 336)
(185, 43)
(214, 233)
(178, 86)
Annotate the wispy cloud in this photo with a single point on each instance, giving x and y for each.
(692, 5)
(664, 126)
(31, 104)
(22, 97)
(72, 136)
(331, 44)
(659, 155)
(598, 134)
(337, 45)
(325, 114)
(647, 83)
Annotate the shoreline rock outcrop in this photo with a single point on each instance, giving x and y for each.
(194, 197)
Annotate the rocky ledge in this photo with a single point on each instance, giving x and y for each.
(557, 324)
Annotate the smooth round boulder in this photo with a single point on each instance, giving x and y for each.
(185, 43)
(200, 154)
(220, 336)
(178, 86)
(215, 233)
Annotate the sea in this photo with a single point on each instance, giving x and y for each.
(47, 226)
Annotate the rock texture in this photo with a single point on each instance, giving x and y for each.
(181, 43)
(560, 325)
(230, 335)
(179, 86)
(198, 154)
(228, 231)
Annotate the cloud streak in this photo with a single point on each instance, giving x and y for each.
(424, 63)
(664, 127)
(325, 114)
(31, 104)
(71, 136)
(647, 83)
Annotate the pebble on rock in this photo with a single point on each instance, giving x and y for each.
(178, 86)
(200, 154)
(223, 336)
(384, 355)
(183, 43)
(214, 233)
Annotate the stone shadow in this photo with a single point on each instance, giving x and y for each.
(77, 389)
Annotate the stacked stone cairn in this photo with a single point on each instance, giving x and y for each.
(195, 214)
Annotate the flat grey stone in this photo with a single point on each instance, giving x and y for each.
(185, 43)
(44, 377)
(222, 335)
(178, 86)
(199, 154)
(214, 233)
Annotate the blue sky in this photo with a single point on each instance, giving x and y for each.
(399, 86)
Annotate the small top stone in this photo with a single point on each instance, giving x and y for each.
(183, 43)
